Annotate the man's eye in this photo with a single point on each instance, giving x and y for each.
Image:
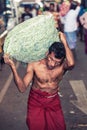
(57, 63)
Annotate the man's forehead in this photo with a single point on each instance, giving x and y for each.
(52, 56)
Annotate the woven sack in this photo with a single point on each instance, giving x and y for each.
(30, 40)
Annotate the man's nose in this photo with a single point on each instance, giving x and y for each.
(52, 63)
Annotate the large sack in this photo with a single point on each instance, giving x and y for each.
(30, 40)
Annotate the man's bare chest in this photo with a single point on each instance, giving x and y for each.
(44, 76)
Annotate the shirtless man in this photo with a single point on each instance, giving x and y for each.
(44, 108)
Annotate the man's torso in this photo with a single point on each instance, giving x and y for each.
(46, 79)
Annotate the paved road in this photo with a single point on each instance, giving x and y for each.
(73, 95)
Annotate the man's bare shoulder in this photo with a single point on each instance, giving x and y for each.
(35, 64)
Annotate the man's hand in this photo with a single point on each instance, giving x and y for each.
(8, 60)
(62, 38)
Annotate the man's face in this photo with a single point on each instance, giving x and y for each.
(26, 9)
(52, 62)
(51, 7)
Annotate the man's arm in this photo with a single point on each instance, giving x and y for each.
(22, 84)
(69, 63)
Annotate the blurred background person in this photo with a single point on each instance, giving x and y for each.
(84, 20)
(52, 7)
(27, 14)
(2, 26)
(71, 25)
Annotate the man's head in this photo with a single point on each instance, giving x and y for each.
(26, 9)
(52, 6)
(56, 55)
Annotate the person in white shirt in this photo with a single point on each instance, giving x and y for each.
(71, 25)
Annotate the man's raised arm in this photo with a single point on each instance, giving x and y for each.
(22, 84)
(69, 64)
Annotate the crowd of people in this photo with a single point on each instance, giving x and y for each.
(67, 16)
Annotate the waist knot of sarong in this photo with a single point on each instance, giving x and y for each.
(43, 94)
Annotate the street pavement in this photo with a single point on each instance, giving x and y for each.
(73, 96)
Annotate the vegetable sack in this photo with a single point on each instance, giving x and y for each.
(30, 40)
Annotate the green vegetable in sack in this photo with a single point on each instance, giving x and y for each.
(30, 40)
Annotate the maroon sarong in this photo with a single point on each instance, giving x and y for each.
(44, 111)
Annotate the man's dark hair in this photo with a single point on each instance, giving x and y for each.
(46, 8)
(58, 49)
(51, 4)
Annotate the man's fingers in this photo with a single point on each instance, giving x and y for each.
(6, 55)
(6, 58)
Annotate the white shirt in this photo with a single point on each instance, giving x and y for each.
(70, 20)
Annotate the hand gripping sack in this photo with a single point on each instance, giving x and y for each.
(30, 40)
